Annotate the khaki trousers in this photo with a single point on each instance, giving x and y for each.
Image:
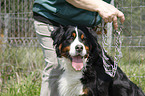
(52, 70)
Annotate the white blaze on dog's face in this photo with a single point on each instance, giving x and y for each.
(77, 51)
(76, 47)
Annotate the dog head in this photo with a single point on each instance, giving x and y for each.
(73, 43)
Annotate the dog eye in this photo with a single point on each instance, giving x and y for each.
(83, 39)
(71, 38)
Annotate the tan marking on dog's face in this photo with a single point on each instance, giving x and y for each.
(74, 34)
(87, 48)
(60, 46)
(85, 91)
(64, 50)
(82, 36)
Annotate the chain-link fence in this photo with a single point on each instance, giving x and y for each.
(133, 39)
(20, 54)
(16, 23)
(19, 51)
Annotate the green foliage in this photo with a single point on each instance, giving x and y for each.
(29, 85)
(133, 64)
(21, 70)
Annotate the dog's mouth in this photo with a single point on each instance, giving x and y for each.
(77, 62)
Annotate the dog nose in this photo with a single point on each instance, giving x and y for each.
(79, 48)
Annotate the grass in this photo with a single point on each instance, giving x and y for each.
(26, 86)
(133, 64)
(20, 69)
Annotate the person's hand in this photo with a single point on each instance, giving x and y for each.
(109, 13)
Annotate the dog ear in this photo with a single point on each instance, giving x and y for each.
(58, 36)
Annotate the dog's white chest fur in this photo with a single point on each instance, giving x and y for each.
(69, 83)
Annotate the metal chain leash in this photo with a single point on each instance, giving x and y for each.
(110, 68)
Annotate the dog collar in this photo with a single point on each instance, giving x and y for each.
(109, 68)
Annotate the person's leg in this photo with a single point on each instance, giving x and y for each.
(51, 71)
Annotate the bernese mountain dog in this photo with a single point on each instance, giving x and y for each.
(80, 56)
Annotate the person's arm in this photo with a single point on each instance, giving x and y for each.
(107, 11)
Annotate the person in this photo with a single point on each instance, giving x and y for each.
(49, 14)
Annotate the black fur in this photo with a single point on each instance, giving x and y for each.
(94, 77)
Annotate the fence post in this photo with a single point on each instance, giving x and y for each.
(109, 32)
(6, 24)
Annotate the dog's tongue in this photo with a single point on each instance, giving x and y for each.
(77, 63)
